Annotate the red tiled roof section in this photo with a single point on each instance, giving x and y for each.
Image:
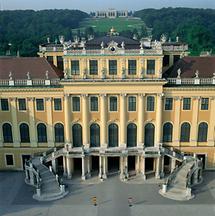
(20, 66)
(189, 66)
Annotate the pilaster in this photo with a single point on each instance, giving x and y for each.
(85, 120)
(16, 137)
(123, 120)
(103, 119)
(176, 129)
(159, 119)
(31, 108)
(50, 131)
(67, 118)
(211, 123)
(140, 120)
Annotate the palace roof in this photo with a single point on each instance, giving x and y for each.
(190, 65)
(36, 67)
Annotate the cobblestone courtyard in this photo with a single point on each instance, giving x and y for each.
(112, 195)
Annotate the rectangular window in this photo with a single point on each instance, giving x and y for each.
(57, 104)
(9, 160)
(40, 104)
(168, 103)
(22, 104)
(132, 103)
(60, 62)
(75, 68)
(93, 67)
(112, 67)
(166, 60)
(94, 107)
(132, 67)
(4, 105)
(76, 104)
(50, 59)
(204, 103)
(113, 104)
(186, 103)
(151, 67)
(150, 103)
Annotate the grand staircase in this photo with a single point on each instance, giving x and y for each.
(180, 182)
(46, 183)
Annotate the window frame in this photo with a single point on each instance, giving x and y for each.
(75, 74)
(203, 104)
(165, 104)
(11, 130)
(109, 68)
(90, 100)
(54, 107)
(109, 104)
(128, 103)
(8, 105)
(147, 110)
(59, 140)
(76, 111)
(184, 139)
(5, 157)
(28, 133)
(18, 101)
(150, 71)
(46, 140)
(132, 68)
(36, 104)
(190, 104)
(206, 137)
(91, 72)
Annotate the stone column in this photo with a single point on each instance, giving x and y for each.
(104, 167)
(211, 125)
(50, 132)
(159, 119)
(137, 164)
(143, 172)
(83, 175)
(32, 125)
(16, 136)
(103, 119)
(88, 167)
(123, 120)
(157, 172)
(140, 120)
(162, 167)
(121, 167)
(173, 164)
(69, 167)
(100, 167)
(126, 166)
(176, 128)
(194, 128)
(64, 166)
(54, 163)
(67, 118)
(85, 120)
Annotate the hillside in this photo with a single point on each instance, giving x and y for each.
(26, 29)
(195, 26)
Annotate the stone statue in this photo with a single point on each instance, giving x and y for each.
(123, 45)
(10, 75)
(179, 73)
(47, 75)
(163, 38)
(28, 75)
(141, 45)
(102, 45)
(197, 74)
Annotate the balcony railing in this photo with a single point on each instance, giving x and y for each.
(26, 82)
(191, 81)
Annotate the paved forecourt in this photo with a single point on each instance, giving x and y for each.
(112, 199)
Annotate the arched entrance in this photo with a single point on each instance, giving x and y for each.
(149, 135)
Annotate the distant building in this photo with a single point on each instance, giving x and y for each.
(110, 13)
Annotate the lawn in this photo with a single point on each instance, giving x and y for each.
(105, 24)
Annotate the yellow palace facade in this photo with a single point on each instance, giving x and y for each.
(110, 104)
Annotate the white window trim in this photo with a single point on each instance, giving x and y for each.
(90, 103)
(72, 103)
(8, 105)
(14, 163)
(43, 105)
(61, 105)
(128, 104)
(25, 105)
(109, 104)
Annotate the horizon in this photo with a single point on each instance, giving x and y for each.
(95, 5)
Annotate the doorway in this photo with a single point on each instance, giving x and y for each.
(113, 165)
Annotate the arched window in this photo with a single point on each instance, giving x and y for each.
(41, 133)
(203, 132)
(24, 133)
(131, 135)
(77, 135)
(59, 132)
(149, 135)
(185, 132)
(113, 135)
(167, 132)
(94, 135)
(7, 133)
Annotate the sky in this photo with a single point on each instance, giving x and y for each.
(93, 5)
